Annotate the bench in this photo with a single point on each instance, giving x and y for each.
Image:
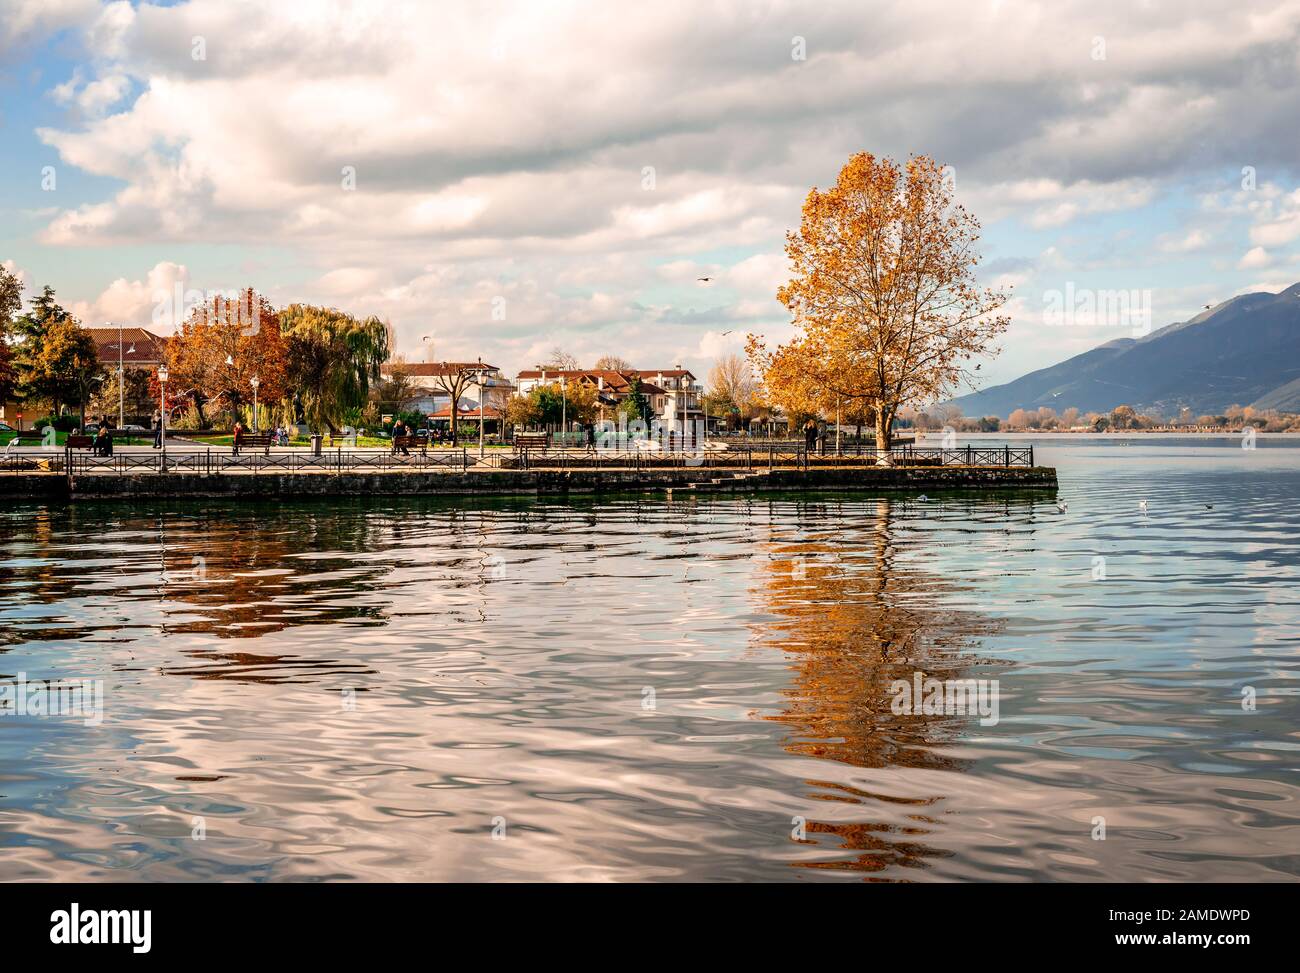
(404, 444)
(532, 440)
(260, 440)
(79, 442)
(28, 437)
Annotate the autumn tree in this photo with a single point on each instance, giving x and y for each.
(136, 397)
(733, 389)
(62, 365)
(884, 297)
(222, 346)
(612, 363)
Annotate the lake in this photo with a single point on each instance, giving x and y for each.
(634, 689)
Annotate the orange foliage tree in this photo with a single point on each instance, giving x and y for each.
(221, 346)
(884, 298)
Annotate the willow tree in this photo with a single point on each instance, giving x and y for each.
(333, 360)
(884, 298)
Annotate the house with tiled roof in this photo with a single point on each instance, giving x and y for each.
(432, 381)
(673, 393)
(139, 348)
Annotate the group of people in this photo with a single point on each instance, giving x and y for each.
(102, 442)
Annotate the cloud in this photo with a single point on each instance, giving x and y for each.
(585, 162)
(1253, 258)
(134, 301)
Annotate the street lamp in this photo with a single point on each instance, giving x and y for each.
(564, 409)
(255, 383)
(479, 376)
(162, 413)
(121, 394)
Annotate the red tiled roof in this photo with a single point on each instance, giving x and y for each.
(149, 348)
(434, 369)
(488, 413)
(573, 372)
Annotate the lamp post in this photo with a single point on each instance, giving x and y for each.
(162, 414)
(121, 394)
(564, 409)
(255, 383)
(479, 375)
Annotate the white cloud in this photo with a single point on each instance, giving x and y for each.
(503, 154)
(1254, 258)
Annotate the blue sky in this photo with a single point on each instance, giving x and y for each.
(500, 157)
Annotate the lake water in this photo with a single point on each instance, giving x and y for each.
(632, 689)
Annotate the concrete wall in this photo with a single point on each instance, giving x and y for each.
(49, 486)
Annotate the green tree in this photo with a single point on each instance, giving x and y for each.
(334, 358)
(635, 405)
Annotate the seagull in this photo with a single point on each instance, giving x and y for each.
(1062, 506)
(977, 368)
(1208, 306)
(1209, 506)
(922, 498)
(705, 279)
(1143, 505)
(725, 333)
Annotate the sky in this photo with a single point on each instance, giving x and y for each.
(499, 179)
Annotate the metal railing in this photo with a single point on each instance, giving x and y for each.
(772, 455)
(258, 461)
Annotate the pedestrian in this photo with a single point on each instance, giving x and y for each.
(591, 437)
(810, 435)
(239, 437)
(157, 429)
(103, 445)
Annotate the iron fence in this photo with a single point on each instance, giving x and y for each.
(748, 456)
(256, 461)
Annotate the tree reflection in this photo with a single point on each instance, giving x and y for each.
(853, 617)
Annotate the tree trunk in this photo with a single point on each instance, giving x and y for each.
(884, 433)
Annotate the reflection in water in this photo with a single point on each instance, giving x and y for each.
(660, 691)
(855, 619)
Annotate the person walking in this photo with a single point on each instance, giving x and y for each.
(157, 429)
(810, 435)
(239, 437)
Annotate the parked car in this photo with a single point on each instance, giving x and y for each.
(5, 427)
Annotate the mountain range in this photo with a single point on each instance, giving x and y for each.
(1245, 351)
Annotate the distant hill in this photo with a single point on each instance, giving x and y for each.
(1246, 351)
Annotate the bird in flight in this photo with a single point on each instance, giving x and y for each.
(705, 279)
(1208, 306)
(725, 333)
(977, 368)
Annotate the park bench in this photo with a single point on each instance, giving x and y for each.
(525, 441)
(79, 442)
(260, 440)
(404, 444)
